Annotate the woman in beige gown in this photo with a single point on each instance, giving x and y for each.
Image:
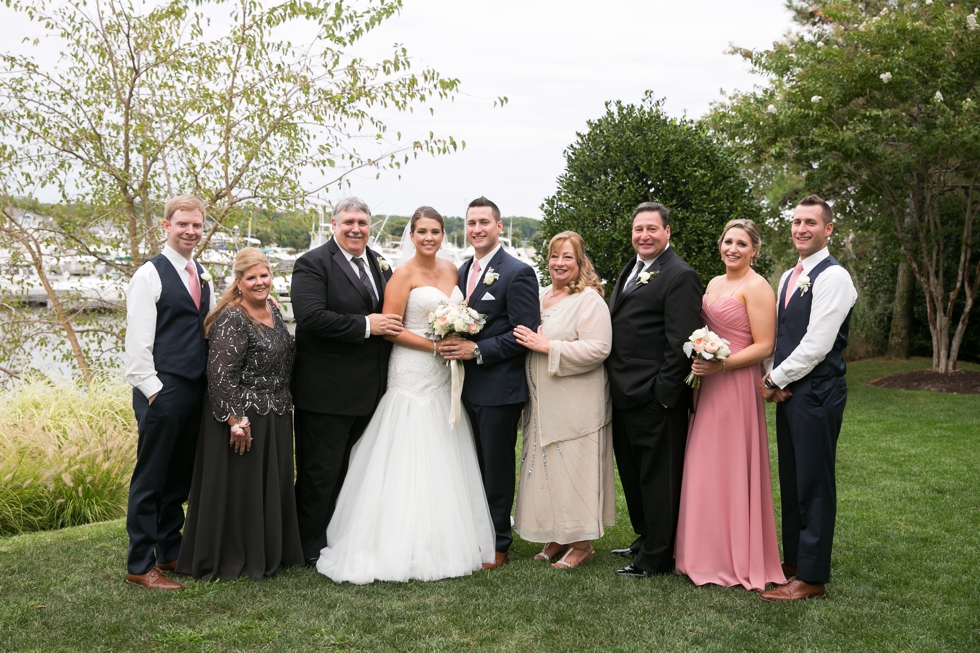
(565, 494)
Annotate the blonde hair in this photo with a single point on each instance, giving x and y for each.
(750, 228)
(184, 203)
(246, 259)
(587, 278)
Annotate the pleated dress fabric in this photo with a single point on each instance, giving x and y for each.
(726, 531)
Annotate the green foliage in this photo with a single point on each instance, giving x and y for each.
(880, 114)
(66, 454)
(905, 561)
(637, 154)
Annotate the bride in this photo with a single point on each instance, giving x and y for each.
(413, 505)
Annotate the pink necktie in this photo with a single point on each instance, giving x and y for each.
(791, 286)
(194, 285)
(474, 275)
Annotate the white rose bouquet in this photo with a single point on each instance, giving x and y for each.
(447, 319)
(706, 345)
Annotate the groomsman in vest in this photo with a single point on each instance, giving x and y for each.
(495, 387)
(168, 299)
(655, 306)
(807, 382)
(341, 367)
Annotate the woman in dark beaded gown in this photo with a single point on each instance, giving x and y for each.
(241, 518)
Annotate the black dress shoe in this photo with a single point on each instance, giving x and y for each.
(624, 553)
(311, 562)
(635, 572)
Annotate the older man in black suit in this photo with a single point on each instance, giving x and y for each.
(341, 367)
(655, 306)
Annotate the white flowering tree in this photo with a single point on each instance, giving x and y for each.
(881, 111)
(150, 100)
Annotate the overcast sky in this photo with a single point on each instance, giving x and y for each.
(557, 62)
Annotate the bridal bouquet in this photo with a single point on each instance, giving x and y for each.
(448, 319)
(706, 345)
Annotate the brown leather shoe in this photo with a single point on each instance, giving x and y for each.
(795, 590)
(788, 570)
(153, 580)
(167, 566)
(499, 560)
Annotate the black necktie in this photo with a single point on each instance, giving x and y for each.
(364, 279)
(631, 283)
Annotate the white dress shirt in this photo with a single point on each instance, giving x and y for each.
(833, 296)
(484, 262)
(141, 320)
(370, 276)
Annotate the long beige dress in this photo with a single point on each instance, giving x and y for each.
(566, 491)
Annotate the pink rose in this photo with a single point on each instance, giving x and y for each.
(443, 320)
(474, 328)
(711, 347)
(699, 345)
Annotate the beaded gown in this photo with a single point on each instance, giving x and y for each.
(241, 518)
(413, 505)
(726, 530)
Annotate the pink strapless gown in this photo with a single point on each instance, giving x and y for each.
(726, 530)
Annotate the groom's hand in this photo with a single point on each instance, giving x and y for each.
(455, 348)
(385, 324)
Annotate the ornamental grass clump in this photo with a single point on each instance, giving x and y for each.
(66, 454)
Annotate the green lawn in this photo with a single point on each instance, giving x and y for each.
(905, 575)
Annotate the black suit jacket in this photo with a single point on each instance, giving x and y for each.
(337, 370)
(501, 380)
(651, 323)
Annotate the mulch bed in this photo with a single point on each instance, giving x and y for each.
(958, 383)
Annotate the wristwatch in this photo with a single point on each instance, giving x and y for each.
(476, 355)
(769, 384)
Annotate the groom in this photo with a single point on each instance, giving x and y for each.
(494, 390)
(341, 367)
(807, 383)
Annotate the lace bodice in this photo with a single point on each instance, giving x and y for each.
(420, 374)
(249, 366)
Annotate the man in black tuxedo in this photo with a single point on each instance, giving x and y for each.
(655, 306)
(495, 387)
(341, 367)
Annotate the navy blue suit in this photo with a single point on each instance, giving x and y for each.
(807, 427)
(495, 391)
(168, 427)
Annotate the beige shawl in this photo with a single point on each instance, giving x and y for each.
(569, 388)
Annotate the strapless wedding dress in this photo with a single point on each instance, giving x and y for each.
(413, 504)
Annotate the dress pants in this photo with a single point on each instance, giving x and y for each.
(161, 480)
(807, 427)
(495, 432)
(649, 442)
(323, 444)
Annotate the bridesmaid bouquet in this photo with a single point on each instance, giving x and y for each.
(447, 319)
(706, 345)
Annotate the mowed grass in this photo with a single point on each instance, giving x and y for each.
(905, 575)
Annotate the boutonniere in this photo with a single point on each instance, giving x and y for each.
(490, 277)
(206, 278)
(803, 284)
(384, 264)
(645, 277)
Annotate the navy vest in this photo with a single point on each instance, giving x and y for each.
(794, 320)
(178, 345)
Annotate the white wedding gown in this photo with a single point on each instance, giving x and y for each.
(413, 504)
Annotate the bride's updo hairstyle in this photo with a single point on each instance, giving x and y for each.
(587, 278)
(427, 212)
(749, 227)
(246, 259)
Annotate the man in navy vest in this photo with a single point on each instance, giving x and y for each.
(168, 299)
(807, 382)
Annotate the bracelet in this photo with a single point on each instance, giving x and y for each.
(434, 348)
(723, 368)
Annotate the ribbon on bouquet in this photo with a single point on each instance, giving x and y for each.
(455, 408)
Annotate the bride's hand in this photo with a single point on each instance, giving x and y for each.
(534, 341)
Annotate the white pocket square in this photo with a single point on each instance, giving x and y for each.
(488, 296)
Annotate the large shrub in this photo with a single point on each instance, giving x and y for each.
(637, 154)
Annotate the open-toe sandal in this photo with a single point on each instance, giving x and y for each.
(558, 550)
(565, 564)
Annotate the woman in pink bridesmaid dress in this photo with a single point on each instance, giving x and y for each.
(726, 530)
